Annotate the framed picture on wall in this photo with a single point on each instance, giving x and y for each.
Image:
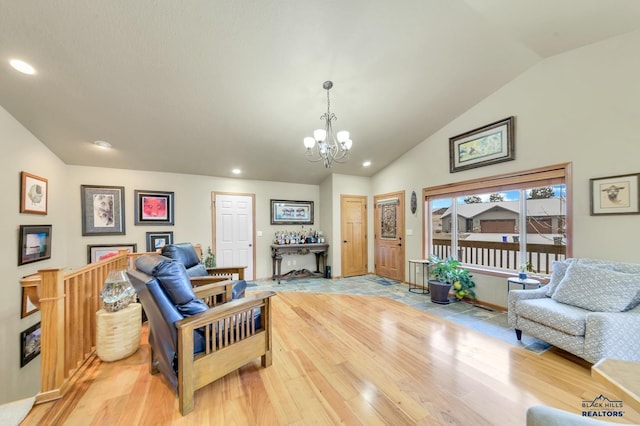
(34, 243)
(286, 212)
(157, 240)
(615, 195)
(153, 207)
(30, 300)
(98, 252)
(102, 210)
(34, 194)
(29, 344)
(490, 144)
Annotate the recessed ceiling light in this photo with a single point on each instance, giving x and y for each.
(366, 164)
(236, 171)
(103, 144)
(22, 66)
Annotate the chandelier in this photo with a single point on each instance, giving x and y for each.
(324, 146)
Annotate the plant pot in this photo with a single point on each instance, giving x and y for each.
(439, 292)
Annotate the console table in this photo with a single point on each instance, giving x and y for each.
(277, 250)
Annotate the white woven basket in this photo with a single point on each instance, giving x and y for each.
(118, 333)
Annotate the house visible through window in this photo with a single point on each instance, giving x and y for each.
(502, 222)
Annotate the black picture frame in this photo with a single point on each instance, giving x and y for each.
(157, 240)
(486, 145)
(98, 252)
(289, 212)
(34, 243)
(102, 210)
(30, 344)
(153, 207)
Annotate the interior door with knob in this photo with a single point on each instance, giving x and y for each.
(389, 235)
(233, 235)
(353, 232)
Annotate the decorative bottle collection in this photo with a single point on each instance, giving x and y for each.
(298, 237)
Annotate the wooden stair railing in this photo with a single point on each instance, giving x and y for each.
(68, 302)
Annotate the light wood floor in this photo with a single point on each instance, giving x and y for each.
(344, 359)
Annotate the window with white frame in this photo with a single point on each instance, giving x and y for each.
(502, 222)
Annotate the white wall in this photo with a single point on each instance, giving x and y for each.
(21, 151)
(326, 216)
(580, 107)
(193, 222)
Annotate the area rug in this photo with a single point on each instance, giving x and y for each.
(380, 280)
(12, 413)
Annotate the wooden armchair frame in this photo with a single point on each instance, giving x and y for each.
(214, 293)
(224, 272)
(231, 341)
(217, 274)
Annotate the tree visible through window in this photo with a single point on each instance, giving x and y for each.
(511, 221)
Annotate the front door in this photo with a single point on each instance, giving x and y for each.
(353, 213)
(389, 235)
(233, 237)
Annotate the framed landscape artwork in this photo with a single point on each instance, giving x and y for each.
(34, 243)
(102, 210)
(615, 195)
(157, 240)
(490, 144)
(29, 344)
(34, 194)
(285, 212)
(153, 207)
(98, 252)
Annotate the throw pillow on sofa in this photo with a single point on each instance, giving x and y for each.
(597, 289)
(559, 269)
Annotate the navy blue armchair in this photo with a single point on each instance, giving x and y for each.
(186, 254)
(183, 329)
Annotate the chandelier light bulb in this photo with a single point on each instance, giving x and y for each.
(347, 144)
(342, 136)
(320, 134)
(309, 142)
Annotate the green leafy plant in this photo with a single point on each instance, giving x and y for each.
(527, 267)
(210, 259)
(449, 271)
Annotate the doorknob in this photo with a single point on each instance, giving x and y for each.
(250, 245)
(345, 241)
(399, 244)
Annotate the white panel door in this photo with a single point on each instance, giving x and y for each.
(234, 231)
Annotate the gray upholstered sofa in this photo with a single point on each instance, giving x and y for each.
(590, 308)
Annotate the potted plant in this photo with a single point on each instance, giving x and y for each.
(448, 273)
(523, 269)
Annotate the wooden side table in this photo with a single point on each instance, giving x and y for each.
(118, 333)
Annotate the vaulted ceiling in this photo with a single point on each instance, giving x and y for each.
(203, 86)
